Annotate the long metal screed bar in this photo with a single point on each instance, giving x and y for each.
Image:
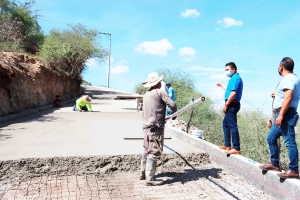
(187, 107)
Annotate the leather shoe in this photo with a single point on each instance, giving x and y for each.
(233, 151)
(224, 147)
(288, 174)
(269, 166)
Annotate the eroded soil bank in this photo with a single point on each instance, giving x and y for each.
(27, 83)
(25, 169)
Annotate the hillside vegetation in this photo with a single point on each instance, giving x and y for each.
(34, 66)
(66, 51)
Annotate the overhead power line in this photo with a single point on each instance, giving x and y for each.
(215, 20)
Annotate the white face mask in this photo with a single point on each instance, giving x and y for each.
(228, 74)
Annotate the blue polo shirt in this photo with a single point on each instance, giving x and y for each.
(171, 93)
(291, 82)
(235, 83)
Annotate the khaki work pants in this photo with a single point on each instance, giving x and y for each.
(150, 147)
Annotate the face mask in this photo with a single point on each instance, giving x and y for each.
(279, 71)
(228, 74)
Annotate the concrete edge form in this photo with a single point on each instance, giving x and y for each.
(245, 168)
(31, 111)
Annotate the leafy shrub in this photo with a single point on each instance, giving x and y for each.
(68, 50)
(11, 38)
(23, 32)
(139, 89)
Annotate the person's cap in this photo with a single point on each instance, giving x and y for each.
(152, 79)
(86, 98)
(168, 83)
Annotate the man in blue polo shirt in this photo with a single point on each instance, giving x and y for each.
(171, 94)
(287, 96)
(231, 107)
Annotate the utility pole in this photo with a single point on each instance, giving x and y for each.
(109, 44)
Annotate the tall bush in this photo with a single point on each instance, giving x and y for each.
(23, 23)
(11, 38)
(68, 50)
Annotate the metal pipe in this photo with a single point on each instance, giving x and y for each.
(187, 107)
(109, 44)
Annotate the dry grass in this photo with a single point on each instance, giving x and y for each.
(252, 128)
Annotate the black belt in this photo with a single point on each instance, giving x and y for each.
(289, 109)
(233, 101)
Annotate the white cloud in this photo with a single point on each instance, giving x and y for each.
(190, 13)
(227, 22)
(91, 62)
(207, 69)
(217, 94)
(187, 53)
(160, 47)
(219, 77)
(120, 69)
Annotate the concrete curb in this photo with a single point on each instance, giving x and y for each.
(31, 111)
(245, 168)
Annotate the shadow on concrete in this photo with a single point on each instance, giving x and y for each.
(129, 108)
(38, 116)
(194, 175)
(5, 137)
(281, 180)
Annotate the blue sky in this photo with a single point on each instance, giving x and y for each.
(196, 36)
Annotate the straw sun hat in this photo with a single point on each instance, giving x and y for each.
(152, 79)
(86, 98)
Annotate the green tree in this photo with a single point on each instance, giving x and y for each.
(11, 38)
(68, 50)
(30, 27)
(22, 18)
(139, 89)
(5, 6)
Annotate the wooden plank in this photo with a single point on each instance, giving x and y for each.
(141, 138)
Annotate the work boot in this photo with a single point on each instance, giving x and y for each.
(143, 167)
(150, 173)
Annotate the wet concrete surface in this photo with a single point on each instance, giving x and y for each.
(63, 132)
(62, 154)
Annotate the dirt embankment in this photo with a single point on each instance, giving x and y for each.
(27, 83)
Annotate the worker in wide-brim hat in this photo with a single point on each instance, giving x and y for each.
(154, 109)
(82, 103)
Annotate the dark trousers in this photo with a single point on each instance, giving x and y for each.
(230, 128)
(84, 108)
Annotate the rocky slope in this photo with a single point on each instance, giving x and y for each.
(27, 83)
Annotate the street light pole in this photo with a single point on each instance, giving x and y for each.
(108, 73)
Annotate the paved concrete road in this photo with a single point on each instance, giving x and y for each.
(63, 132)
